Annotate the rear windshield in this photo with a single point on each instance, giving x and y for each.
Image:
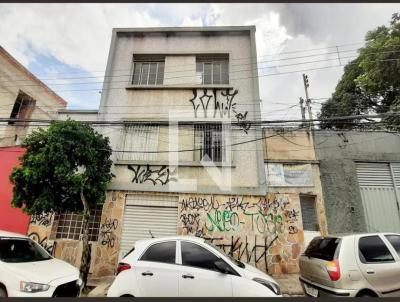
(21, 250)
(323, 248)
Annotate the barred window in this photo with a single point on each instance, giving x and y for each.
(209, 142)
(69, 225)
(138, 138)
(148, 70)
(213, 69)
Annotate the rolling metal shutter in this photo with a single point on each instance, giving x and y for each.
(308, 213)
(380, 195)
(145, 213)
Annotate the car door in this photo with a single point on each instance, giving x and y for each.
(156, 270)
(393, 242)
(377, 264)
(198, 275)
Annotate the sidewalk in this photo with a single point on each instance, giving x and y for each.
(290, 285)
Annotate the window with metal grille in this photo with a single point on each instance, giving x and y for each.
(69, 225)
(23, 108)
(136, 140)
(148, 70)
(209, 143)
(308, 213)
(213, 69)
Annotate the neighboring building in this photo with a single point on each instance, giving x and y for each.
(78, 115)
(360, 174)
(23, 96)
(11, 219)
(295, 192)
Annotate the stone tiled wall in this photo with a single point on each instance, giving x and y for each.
(264, 231)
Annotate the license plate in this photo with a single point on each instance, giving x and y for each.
(313, 292)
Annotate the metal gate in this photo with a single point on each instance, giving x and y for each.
(148, 213)
(379, 185)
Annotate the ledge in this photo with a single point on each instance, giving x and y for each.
(180, 164)
(177, 86)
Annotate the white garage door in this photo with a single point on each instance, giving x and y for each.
(148, 213)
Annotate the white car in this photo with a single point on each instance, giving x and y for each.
(27, 270)
(184, 266)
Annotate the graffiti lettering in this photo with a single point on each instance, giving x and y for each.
(198, 203)
(43, 219)
(223, 107)
(222, 220)
(161, 176)
(49, 247)
(107, 232)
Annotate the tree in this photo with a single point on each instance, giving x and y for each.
(65, 168)
(370, 83)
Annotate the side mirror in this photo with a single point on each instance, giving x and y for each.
(222, 267)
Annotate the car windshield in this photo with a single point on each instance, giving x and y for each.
(15, 250)
(229, 255)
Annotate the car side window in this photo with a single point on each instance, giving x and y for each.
(164, 252)
(395, 242)
(373, 250)
(197, 256)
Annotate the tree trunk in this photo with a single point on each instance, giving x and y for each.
(85, 258)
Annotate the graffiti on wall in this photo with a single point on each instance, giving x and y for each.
(43, 219)
(161, 175)
(222, 104)
(44, 242)
(244, 228)
(107, 236)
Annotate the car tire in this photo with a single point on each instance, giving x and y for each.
(3, 292)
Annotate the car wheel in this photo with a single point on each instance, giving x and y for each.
(3, 293)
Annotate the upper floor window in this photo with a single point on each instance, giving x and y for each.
(213, 69)
(23, 107)
(148, 70)
(209, 142)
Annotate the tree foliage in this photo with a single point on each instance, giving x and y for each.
(371, 82)
(59, 163)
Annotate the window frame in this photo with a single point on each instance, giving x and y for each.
(213, 61)
(148, 61)
(390, 244)
(160, 242)
(213, 132)
(233, 271)
(362, 258)
(94, 226)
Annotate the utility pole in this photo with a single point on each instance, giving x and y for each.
(308, 101)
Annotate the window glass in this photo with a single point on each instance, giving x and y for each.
(373, 250)
(152, 73)
(395, 242)
(197, 256)
(21, 250)
(323, 248)
(161, 252)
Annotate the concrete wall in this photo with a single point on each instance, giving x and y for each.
(242, 174)
(16, 78)
(337, 152)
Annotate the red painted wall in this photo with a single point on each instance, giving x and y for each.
(11, 219)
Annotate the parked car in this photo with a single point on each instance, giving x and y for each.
(356, 265)
(185, 266)
(27, 270)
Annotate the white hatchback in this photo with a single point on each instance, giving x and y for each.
(184, 266)
(27, 270)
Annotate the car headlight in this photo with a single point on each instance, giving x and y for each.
(31, 287)
(271, 285)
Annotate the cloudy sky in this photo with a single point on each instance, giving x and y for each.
(58, 42)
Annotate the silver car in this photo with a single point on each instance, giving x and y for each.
(356, 265)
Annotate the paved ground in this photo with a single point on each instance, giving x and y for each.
(290, 286)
